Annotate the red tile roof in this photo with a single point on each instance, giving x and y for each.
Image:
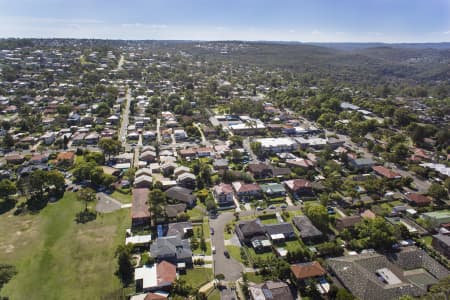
(166, 272)
(307, 270)
(418, 199)
(385, 172)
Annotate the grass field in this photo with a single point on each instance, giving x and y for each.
(124, 198)
(197, 277)
(215, 295)
(57, 258)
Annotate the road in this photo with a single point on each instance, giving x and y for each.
(136, 152)
(246, 146)
(158, 130)
(125, 121)
(229, 267)
(120, 64)
(205, 142)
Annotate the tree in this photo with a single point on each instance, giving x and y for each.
(7, 188)
(157, 201)
(6, 273)
(86, 195)
(8, 141)
(376, 233)
(125, 268)
(437, 191)
(110, 146)
(256, 148)
(318, 215)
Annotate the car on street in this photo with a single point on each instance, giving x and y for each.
(211, 230)
(259, 208)
(272, 206)
(213, 249)
(227, 255)
(283, 206)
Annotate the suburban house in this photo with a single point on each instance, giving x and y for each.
(299, 187)
(223, 194)
(180, 229)
(172, 249)
(347, 222)
(260, 170)
(148, 156)
(182, 195)
(417, 199)
(159, 276)
(140, 215)
(374, 276)
(246, 191)
(173, 210)
(386, 173)
(280, 232)
(186, 180)
(247, 231)
(361, 163)
(441, 243)
(65, 158)
(270, 290)
(143, 181)
(273, 189)
(308, 232)
(309, 270)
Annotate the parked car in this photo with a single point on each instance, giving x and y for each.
(213, 249)
(272, 206)
(227, 255)
(211, 230)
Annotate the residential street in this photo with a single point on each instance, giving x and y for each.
(229, 267)
(125, 121)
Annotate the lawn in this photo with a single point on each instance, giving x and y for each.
(57, 258)
(427, 240)
(215, 295)
(235, 252)
(197, 277)
(252, 277)
(124, 198)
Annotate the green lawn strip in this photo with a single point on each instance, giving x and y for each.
(235, 252)
(197, 277)
(252, 277)
(215, 295)
(56, 256)
(124, 198)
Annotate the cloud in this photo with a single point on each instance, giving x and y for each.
(446, 32)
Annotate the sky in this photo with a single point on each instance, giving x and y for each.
(388, 21)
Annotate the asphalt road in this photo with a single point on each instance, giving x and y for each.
(125, 121)
(229, 267)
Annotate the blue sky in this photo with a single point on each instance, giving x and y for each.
(288, 20)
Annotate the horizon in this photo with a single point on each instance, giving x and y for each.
(320, 21)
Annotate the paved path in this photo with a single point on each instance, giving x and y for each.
(158, 130)
(107, 204)
(229, 267)
(136, 152)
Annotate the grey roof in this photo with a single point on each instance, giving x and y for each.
(171, 246)
(306, 228)
(181, 194)
(271, 290)
(412, 266)
(284, 228)
(177, 229)
(251, 227)
(174, 209)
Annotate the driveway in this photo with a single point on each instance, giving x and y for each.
(229, 267)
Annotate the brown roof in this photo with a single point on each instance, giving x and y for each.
(152, 296)
(166, 272)
(139, 207)
(418, 199)
(307, 270)
(65, 156)
(386, 172)
(368, 214)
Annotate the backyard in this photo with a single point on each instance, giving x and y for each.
(56, 258)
